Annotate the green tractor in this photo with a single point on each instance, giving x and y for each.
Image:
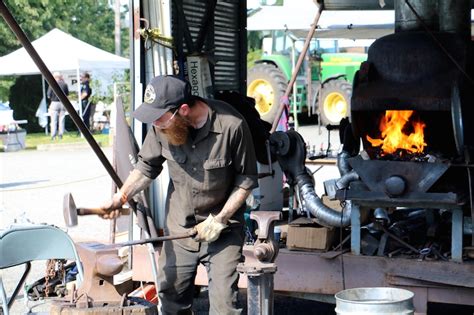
(323, 84)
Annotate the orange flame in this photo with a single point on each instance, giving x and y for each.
(393, 136)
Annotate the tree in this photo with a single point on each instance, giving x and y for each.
(91, 21)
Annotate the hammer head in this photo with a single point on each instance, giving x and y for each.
(69, 210)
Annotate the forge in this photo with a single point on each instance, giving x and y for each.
(412, 110)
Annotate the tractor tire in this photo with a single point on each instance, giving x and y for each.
(266, 84)
(335, 102)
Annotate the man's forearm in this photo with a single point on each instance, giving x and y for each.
(135, 183)
(236, 199)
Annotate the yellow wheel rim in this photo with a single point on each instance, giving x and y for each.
(263, 93)
(335, 107)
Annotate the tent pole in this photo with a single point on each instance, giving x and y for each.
(79, 101)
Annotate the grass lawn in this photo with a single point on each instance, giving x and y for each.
(35, 139)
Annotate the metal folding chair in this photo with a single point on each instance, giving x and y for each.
(26, 243)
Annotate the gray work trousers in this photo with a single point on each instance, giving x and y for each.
(57, 114)
(177, 271)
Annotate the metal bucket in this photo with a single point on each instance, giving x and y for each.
(375, 301)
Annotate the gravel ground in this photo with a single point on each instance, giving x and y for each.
(32, 186)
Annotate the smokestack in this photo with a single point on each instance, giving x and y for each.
(455, 17)
(406, 20)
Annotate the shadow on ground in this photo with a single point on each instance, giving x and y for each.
(283, 305)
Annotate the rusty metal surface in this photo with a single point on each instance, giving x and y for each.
(100, 264)
(265, 220)
(310, 272)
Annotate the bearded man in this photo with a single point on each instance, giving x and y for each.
(212, 168)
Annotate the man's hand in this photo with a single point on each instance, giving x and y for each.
(208, 230)
(112, 207)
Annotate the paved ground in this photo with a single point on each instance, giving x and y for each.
(32, 186)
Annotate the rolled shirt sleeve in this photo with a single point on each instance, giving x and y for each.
(150, 160)
(245, 162)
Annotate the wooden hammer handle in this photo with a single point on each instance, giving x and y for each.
(99, 211)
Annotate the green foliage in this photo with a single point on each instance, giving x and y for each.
(91, 21)
(33, 140)
(25, 96)
(254, 44)
(252, 56)
(254, 40)
(5, 84)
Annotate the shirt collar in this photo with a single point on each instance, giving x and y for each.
(213, 124)
(214, 120)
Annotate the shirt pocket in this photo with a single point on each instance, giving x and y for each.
(217, 174)
(176, 162)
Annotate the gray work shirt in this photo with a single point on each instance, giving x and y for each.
(205, 170)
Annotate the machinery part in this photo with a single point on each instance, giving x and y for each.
(293, 164)
(458, 122)
(266, 247)
(290, 149)
(260, 272)
(266, 84)
(259, 287)
(395, 186)
(100, 265)
(265, 252)
(70, 211)
(346, 179)
(342, 163)
(381, 215)
(335, 101)
(323, 214)
(131, 305)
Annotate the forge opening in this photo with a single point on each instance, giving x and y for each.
(406, 135)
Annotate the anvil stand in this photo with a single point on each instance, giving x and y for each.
(260, 271)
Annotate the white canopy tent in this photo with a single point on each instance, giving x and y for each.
(64, 53)
(61, 52)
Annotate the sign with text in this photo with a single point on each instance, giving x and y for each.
(199, 76)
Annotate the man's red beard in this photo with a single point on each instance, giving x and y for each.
(177, 133)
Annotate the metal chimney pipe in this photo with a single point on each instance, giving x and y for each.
(406, 20)
(455, 17)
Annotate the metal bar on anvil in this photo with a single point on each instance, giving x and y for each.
(15, 27)
(157, 239)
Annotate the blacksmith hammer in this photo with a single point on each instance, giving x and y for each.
(70, 211)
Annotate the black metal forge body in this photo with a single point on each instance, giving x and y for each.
(426, 66)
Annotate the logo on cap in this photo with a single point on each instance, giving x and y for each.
(150, 94)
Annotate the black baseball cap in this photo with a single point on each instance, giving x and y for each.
(162, 94)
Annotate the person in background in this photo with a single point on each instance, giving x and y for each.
(212, 168)
(88, 108)
(57, 111)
